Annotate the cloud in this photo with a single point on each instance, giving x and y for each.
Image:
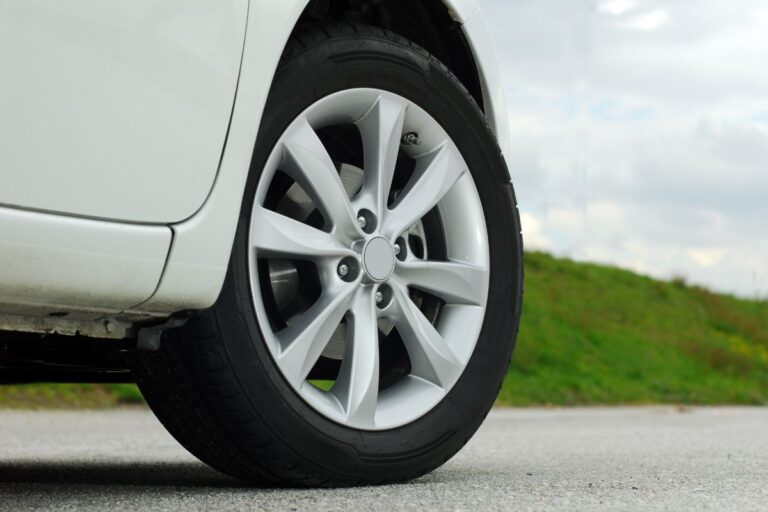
(534, 239)
(615, 7)
(639, 133)
(706, 258)
(649, 21)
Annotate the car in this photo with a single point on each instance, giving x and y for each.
(290, 223)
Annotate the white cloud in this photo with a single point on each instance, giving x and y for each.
(643, 149)
(648, 21)
(706, 257)
(533, 237)
(615, 7)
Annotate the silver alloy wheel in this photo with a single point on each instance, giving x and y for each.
(363, 282)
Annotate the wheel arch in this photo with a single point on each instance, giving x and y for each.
(454, 31)
(435, 25)
(196, 267)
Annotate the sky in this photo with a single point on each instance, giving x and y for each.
(640, 133)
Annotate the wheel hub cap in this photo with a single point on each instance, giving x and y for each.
(378, 258)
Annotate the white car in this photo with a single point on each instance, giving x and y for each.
(289, 221)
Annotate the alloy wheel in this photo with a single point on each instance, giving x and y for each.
(368, 255)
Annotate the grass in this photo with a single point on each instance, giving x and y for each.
(590, 334)
(594, 334)
(68, 396)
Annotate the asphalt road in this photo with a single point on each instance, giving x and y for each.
(532, 459)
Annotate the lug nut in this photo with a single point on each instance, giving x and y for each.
(397, 249)
(366, 220)
(411, 139)
(343, 270)
(383, 296)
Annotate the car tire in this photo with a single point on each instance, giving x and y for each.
(216, 385)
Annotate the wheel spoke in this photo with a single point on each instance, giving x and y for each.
(431, 357)
(455, 283)
(357, 386)
(381, 129)
(302, 342)
(430, 184)
(275, 235)
(310, 165)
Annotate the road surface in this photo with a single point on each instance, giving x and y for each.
(655, 458)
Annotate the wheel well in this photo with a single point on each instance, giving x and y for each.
(427, 23)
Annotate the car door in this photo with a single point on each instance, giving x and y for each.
(116, 110)
(113, 118)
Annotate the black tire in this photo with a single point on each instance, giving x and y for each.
(214, 385)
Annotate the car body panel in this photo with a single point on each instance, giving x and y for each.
(52, 263)
(202, 244)
(491, 81)
(116, 110)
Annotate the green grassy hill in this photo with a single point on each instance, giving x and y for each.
(593, 334)
(590, 334)
(68, 396)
